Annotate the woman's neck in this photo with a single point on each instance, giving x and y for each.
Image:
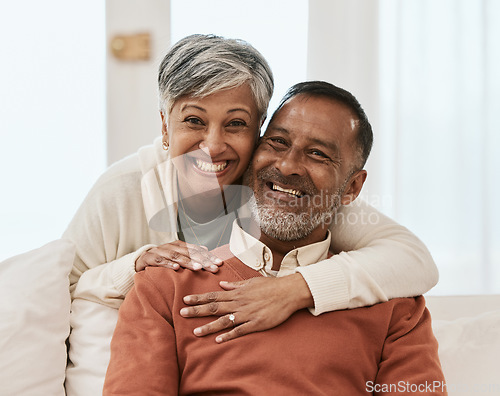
(205, 207)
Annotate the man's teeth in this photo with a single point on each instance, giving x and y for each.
(208, 167)
(287, 190)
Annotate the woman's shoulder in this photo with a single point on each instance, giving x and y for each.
(131, 168)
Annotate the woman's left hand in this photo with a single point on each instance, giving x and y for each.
(256, 304)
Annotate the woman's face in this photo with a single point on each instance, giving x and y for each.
(212, 139)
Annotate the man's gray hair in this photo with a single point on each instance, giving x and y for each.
(200, 65)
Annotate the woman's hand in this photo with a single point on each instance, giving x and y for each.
(178, 254)
(257, 304)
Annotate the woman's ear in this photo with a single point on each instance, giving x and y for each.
(354, 187)
(164, 127)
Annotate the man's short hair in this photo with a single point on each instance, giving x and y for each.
(200, 65)
(364, 136)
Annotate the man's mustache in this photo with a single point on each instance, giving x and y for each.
(302, 183)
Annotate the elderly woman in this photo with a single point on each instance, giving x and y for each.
(159, 206)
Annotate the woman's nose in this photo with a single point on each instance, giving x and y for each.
(213, 143)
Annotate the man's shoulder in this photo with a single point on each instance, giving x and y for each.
(224, 252)
(234, 264)
(401, 306)
(414, 305)
(408, 312)
(393, 312)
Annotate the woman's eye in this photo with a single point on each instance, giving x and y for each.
(193, 120)
(237, 123)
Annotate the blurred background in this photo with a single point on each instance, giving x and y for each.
(74, 99)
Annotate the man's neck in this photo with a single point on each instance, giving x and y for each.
(280, 249)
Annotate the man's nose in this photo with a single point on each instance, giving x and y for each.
(290, 162)
(213, 142)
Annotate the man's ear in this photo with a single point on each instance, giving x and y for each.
(354, 186)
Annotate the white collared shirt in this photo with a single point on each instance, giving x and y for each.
(258, 256)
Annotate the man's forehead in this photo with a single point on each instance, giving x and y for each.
(318, 109)
(305, 114)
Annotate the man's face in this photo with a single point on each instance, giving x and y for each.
(302, 169)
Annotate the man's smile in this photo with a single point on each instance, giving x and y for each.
(292, 191)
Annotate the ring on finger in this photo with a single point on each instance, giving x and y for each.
(232, 318)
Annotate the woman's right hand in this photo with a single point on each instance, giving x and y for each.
(179, 254)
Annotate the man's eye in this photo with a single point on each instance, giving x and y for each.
(278, 141)
(318, 153)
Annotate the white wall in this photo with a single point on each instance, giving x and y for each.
(342, 49)
(52, 119)
(133, 119)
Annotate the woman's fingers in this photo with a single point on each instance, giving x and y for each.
(222, 323)
(217, 308)
(179, 254)
(232, 285)
(257, 304)
(170, 258)
(239, 327)
(238, 331)
(200, 252)
(151, 259)
(187, 255)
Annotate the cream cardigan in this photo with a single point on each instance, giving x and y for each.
(119, 219)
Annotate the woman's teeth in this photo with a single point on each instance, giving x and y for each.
(297, 193)
(208, 167)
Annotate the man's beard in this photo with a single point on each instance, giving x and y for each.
(279, 221)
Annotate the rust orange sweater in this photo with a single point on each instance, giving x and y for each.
(386, 347)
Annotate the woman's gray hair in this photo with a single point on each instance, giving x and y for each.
(200, 65)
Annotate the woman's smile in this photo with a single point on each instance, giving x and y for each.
(208, 167)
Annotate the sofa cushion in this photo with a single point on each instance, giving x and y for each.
(469, 350)
(34, 312)
(92, 326)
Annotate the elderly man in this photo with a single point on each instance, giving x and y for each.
(309, 162)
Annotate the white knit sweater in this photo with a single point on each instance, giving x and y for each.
(378, 260)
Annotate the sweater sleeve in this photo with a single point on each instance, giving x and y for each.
(109, 283)
(143, 349)
(110, 231)
(378, 260)
(410, 362)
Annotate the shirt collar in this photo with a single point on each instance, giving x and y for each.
(258, 256)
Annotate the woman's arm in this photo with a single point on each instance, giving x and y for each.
(110, 232)
(377, 260)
